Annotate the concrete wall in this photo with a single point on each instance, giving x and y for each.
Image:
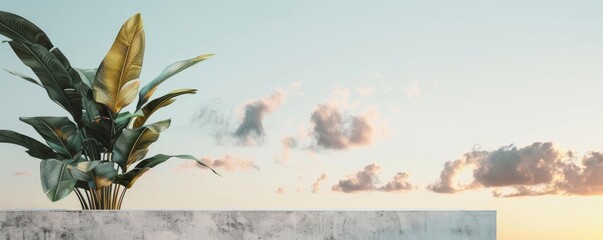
(428, 225)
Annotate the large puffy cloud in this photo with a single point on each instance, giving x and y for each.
(251, 128)
(534, 170)
(335, 130)
(367, 180)
(229, 163)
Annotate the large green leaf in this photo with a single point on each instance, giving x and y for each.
(116, 82)
(82, 170)
(104, 173)
(61, 134)
(20, 29)
(53, 75)
(158, 103)
(147, 91)
(132, 145)
(143, 166)
(97, 122)
(101, 172)
(34, 147)
(57, 182)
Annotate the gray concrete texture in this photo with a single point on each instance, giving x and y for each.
(427, 225)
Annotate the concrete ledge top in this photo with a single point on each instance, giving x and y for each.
(248, 224)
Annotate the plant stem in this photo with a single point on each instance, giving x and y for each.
(79, 197)
(121, 199)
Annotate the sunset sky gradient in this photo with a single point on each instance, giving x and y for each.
(478, 105)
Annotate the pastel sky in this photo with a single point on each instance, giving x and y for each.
(481, 105)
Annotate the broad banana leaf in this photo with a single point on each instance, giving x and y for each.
(27, 78)
(143, 166)
(97, 122)
(57, 182)
(158, 103)
(116, 82)
(34, 147)
(20, 29)
(53, 75)
(147, 91)
(100, 172)
(76, 80)
(104, 174)
(82, 170)
(61, 134)
(132, 145)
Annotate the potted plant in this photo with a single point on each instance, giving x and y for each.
(101, 150)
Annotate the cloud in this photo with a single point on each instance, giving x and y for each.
(287, 144)
(367, 180)
(280, 190)
(335, 130)
(227, 163)
(316, 185)
(215, 116)
(21, 173)
(364, 180)
(412, 90)
(586, 179)
(534, 170)
(398, 184)
(251, 129)
(445, 183)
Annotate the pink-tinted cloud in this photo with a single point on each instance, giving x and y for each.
(364, 180)
(280, 190)
(412, 90)
(335, 130)
(227, 163)
(22, 173)
(367, 180)
(534, 170)
(287, 144)
(316, 184)
(398, 184)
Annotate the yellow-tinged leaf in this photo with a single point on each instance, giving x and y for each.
(116, 83)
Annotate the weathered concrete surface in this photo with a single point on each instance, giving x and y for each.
(427, 225)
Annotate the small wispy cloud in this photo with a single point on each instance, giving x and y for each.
(229, 163)
(412, 90)
(287, 144)
(21, 173)
(280, 190)
(316, 184)
(365, 91)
